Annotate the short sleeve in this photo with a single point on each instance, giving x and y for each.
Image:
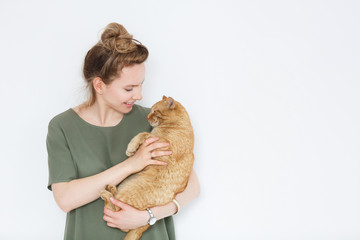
(60, 162)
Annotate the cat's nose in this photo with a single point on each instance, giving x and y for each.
(148, 116)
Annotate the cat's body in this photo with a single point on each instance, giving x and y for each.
(158, 185)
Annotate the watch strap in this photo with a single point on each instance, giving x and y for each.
(152, 219)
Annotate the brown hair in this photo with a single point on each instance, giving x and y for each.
(116, 49)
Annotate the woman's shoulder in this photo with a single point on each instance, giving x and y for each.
(63, 117)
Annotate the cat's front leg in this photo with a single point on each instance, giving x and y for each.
(136, 142)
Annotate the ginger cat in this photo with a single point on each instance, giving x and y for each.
(158, 185)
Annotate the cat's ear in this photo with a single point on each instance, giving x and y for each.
(164, 97)
(171, 103)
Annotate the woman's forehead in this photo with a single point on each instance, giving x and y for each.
(132, 75)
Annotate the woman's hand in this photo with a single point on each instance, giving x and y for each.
(145, 154)
(127, 218)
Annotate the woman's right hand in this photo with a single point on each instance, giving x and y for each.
(145, 154)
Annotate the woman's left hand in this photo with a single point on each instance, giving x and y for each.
(127, 218)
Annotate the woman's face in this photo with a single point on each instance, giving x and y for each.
(124, 91)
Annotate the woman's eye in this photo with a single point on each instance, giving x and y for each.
(129, 90)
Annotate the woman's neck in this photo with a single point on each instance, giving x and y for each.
(99, 114)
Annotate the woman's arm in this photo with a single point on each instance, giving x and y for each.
(78, 192)
(131, 218)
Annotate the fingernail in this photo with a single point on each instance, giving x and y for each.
(111, 199)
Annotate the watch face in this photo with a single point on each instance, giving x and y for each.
(152, 221)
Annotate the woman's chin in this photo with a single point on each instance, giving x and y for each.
(126, 108)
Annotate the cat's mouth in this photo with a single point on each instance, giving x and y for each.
(153, 123)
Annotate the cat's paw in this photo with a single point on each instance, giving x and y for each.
(112, 189)
(129, 153)
(131, 149)
(106, 195)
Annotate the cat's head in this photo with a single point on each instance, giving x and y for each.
(165, 111)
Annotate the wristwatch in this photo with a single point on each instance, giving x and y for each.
(152, 219)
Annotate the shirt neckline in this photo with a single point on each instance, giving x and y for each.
(96, 126)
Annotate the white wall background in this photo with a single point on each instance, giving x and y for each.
(272, 88)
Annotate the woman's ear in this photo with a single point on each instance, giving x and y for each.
(98, 85)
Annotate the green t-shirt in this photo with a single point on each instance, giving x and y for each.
(78, 149)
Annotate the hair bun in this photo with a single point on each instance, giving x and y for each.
(116, 38)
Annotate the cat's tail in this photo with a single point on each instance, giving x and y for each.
(135, 234)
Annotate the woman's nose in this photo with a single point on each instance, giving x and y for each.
(138, 95)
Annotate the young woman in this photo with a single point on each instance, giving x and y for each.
(86, 145)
